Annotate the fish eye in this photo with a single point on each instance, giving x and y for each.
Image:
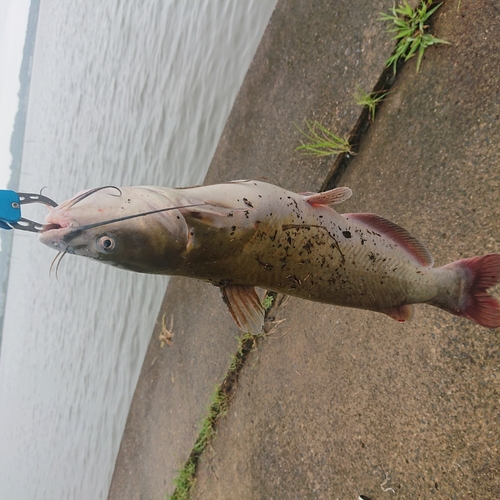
(106, 243)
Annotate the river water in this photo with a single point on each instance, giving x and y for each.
(123, 93)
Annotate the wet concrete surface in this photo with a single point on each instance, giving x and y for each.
(338, 402)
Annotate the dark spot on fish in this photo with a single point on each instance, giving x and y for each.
(267, 267)
(295, 279)
(347, 234)
(247, 203)
(308, 246)
(230, 214)
(371, 256)
(246, 213)
(233, 228)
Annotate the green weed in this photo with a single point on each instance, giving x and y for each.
(369, 99)
(322, 142)
(410, 30)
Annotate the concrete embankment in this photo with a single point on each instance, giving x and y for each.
(338, 402)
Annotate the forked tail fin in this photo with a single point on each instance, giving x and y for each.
(475, 303)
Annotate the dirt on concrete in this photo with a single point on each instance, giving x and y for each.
(338, 402)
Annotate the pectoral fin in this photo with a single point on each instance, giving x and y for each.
(202, 210)
(245, 307)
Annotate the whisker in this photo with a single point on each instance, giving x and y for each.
(58, 258)
(53, 261)
(92, 191)
(59, 263)
(77, 231)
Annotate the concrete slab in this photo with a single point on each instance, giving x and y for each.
(339, 403)
(173, 390)
(307, 66)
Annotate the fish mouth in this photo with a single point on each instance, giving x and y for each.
(51, 227)
(57, 221)
(54, 232)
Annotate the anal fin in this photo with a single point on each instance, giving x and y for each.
(245, 307)
(400, 313)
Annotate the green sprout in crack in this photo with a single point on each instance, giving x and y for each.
(185, 480)
(322, 142)
(268, 302)
(369, 99)
(411, 31)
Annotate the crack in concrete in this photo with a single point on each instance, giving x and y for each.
(343, 160)
(224, 394)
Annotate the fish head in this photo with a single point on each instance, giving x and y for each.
(137, 228)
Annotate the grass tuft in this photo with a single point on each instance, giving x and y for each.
(322, 142)
(370, 100)
(410, 30)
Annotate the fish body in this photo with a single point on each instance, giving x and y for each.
(243, 234)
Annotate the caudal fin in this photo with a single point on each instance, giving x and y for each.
(475, 303)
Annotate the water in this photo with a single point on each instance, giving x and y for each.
(123, 93)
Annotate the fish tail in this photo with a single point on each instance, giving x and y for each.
(471, 298)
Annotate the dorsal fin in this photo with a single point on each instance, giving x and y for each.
(332, 197)
(245, 307)
(397, 234)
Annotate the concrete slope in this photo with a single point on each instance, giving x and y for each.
(337, 402)
(335, 399)
(307, 67)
